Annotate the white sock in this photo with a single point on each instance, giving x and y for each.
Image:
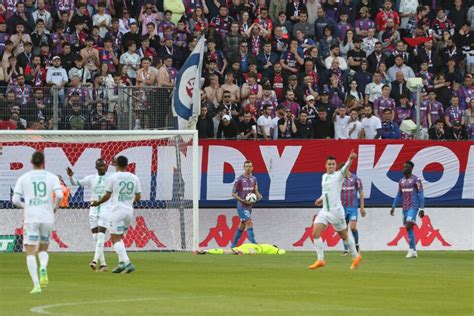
(43, 259)
(32, 269)
(350, 243)
(94, 236)
(99, 249)
(121, 252)
(318, 244)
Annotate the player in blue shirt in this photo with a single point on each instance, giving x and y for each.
(243, 185)
(350, 201)
(410, 191)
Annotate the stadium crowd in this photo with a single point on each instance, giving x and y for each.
(274, 69)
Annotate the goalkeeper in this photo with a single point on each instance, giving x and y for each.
(245, 249)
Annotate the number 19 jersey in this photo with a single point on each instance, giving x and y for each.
(124, 186)
(36, 187)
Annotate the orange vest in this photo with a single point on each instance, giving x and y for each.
(66, 191)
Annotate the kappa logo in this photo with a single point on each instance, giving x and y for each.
(140, 235)
(330, 236)
(222, 234)
(426, 234)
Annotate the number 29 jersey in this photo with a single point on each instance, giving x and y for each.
(123, 186)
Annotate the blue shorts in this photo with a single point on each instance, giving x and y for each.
(244, 214)
(351, 214)
(410, 215)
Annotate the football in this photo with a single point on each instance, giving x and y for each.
(251, 198)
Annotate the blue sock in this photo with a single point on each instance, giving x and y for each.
(251, 235)
(355, 233)
(237, 236)
(411, 239)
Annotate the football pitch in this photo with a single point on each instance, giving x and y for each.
(437, 283)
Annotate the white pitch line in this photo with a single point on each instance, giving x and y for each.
(320, 307)
(43, 309)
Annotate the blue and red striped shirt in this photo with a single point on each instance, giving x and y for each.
(435, 110)
(465, 94)
(381, 103)
(402, 113)
(454, 113)
(244, 186)
(364, 24)
(349, 193)
(410, 190)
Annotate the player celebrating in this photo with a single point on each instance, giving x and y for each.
(41, 193)
(333, 212)
(410, 190)
(243, 185)
(124, 188)
(97, 215)
(245, 249)
(351, 186)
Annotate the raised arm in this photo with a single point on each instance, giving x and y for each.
(72, 178)
(348, 164)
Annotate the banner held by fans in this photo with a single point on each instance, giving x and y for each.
(187, 93)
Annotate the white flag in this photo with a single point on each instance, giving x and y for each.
(187, 93)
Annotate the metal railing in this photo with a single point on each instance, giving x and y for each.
(88, 108)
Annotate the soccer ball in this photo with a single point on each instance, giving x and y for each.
(251, 198)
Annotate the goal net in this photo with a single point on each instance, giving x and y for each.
(166, 162)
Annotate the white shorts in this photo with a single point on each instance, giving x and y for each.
(98, 218)
(120, 221)
(35, 233)
(335, 218)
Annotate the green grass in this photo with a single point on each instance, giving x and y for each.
(180, 283)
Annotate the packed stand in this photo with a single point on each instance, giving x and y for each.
(273, 69)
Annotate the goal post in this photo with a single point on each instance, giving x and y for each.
(166, 162)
